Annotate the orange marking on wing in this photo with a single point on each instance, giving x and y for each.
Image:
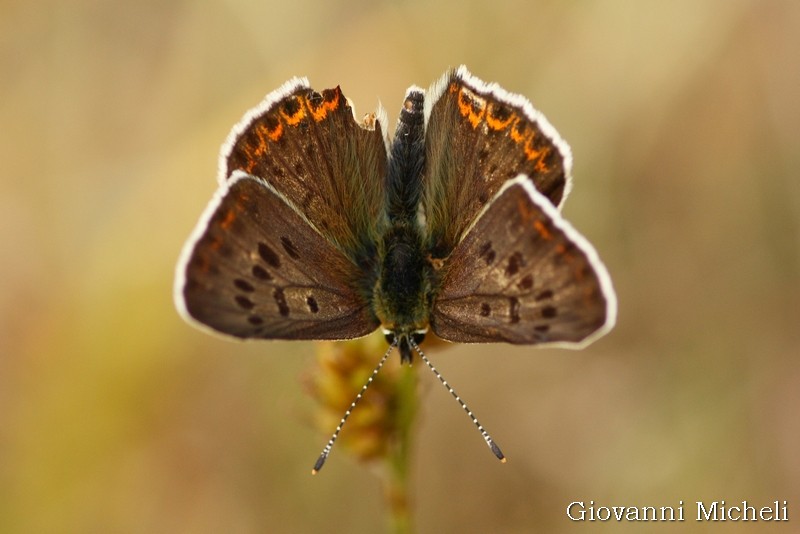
(295, 118)
(545, 233)
(263, 133)
(516, 135)
(464, 104)
(531, 153)
(252, 154)
(497, 124)
(524, 211)
(320, 112)
(275, 133)
(471, 106)
(562, 249)
(227, 221)
(525, 138)
(541, 166)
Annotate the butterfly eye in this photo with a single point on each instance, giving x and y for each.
(390, 337)
(418, 336)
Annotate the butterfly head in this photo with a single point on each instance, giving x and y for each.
(401, 339)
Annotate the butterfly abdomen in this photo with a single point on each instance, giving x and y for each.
(404, 175)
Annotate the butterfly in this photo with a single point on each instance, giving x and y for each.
(324, 228)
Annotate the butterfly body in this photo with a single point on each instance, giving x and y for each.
(403, 292)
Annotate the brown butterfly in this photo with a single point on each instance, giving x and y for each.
(324, 229)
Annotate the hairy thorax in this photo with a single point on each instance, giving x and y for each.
(401, 296)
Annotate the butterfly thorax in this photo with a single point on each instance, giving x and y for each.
(401, 297)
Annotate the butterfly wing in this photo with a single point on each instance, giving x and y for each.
(256, 268)
(310, 149)
(477, 137)
(523, 275)
(287, 247)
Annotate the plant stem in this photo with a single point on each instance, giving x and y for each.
(396, 484)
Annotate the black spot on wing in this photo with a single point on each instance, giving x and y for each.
(261, 273)
(244, 302)
(289, 247)
(268, 255)
(244, 285)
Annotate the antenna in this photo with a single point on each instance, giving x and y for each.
(327, 450)
(489, 441)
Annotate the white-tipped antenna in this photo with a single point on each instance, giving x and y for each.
(327, 450)
(489, 441)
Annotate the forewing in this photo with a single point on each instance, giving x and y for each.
(256, 268)
(477, 137)
(309, 147)
(523, 275)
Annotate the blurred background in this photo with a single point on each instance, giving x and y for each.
(116, 416)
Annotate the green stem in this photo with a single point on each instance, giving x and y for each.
(396, 485)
